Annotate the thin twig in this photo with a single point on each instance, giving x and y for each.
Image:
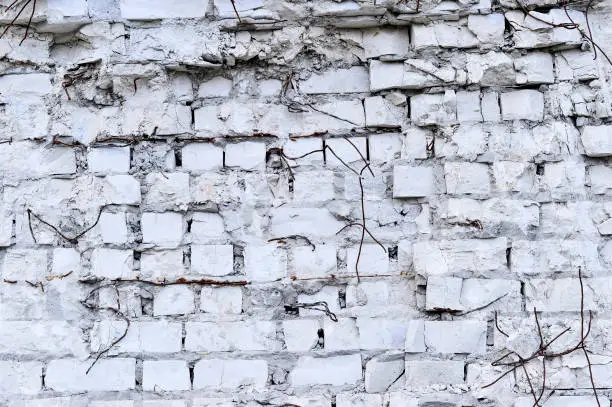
(69, 239)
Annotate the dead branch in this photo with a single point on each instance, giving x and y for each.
(12, 23)
(542, 352)
(316, 306)
(74, 239)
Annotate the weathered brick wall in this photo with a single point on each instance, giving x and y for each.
(153, 141)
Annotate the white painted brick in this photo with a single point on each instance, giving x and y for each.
(551, 256)
(65, 260)
(514, 176)
(68, 375)
(385, 148)
(142, 336)
(301, 334)
(415, 337)
(265, 263)
(199, 157)
(443, 293)
(313, 186)
(489, 29)
(426, 373)
(524, 104)
(113, 228)
(299, 147)
(113, 263)
(212, 260)
(456, 336)
(524, 215)
(341, 335)
(163, 403)
(377, 333)
(382, 372)
(213, 402)
(230, 374)
(600, 179)
(122, 190)
(318, 263)
(382, 41)
(563, 401)
(412, 182)
(216, 87)
(428, 109)
(352, 80)
(489, 105)
(165, 375)
(412, 74)
(575, 64)
(597, 140)
(206, 227)
(109, 160)
(56, 338)
(460, 256)
(328, 294)
(221, 300)
(372, 261)
(248, 155)
(165, 229)
(335, 370)
(380, 112)
(401, 399)
(157, 9)
(20, 377)
(24, 264)
(415, 143)
(564, 179)
(536, 67)
(250, 335)
(468, 107)
(167, 191)
(467, 178)
(162, 264)
(345, 151)
(174, 300)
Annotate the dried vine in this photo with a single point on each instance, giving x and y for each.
(518, 362)
(13, 4)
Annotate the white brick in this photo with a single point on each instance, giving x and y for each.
(412, 182)
(415, 337)
(345, 151)
(165, 229)
(167, 191)
(165, 375)
(426, 373)
(489, 29)
(380, 112)
(212, 260)
(335, 370)
(24, 264)
(515, 177)
(250, 335)
(377, 333)
(221, 300)
(564, 401)
(352, 80)
(162, 403)
(600, 179)
(248, 155)
(216, 87)
(535, 67)
(313, 186)
(206, 227)
(524, 104)
(265, 263)
(42, 338)
(122, 190)
(304, 221)
(382, 372)
(415, 143)
(109, 160)
(198, 157)
(564, 179)
(385, 148)
(299, 147)
(20, 377)
(301, 334)
(428, 109)
(467, 178)
(174, 300)
(575, 64)
(113, 227)
(157, 9)
(443, 293)
(597, 140)
(460, 256)
(142, 336)
(230, 374)
(401, 399)
(456, 336)
(372, 261)
(411, 74)
(383, 41)
(162, 265)
(68, 375)
(328, 294)
(552, 256)
(341, 335)
(490, 107)
(113, 263)
(318, 263)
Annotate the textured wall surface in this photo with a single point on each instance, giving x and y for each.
(183, 195)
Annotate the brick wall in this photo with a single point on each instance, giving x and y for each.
(183, 193)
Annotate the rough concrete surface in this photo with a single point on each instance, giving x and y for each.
(184, 188)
